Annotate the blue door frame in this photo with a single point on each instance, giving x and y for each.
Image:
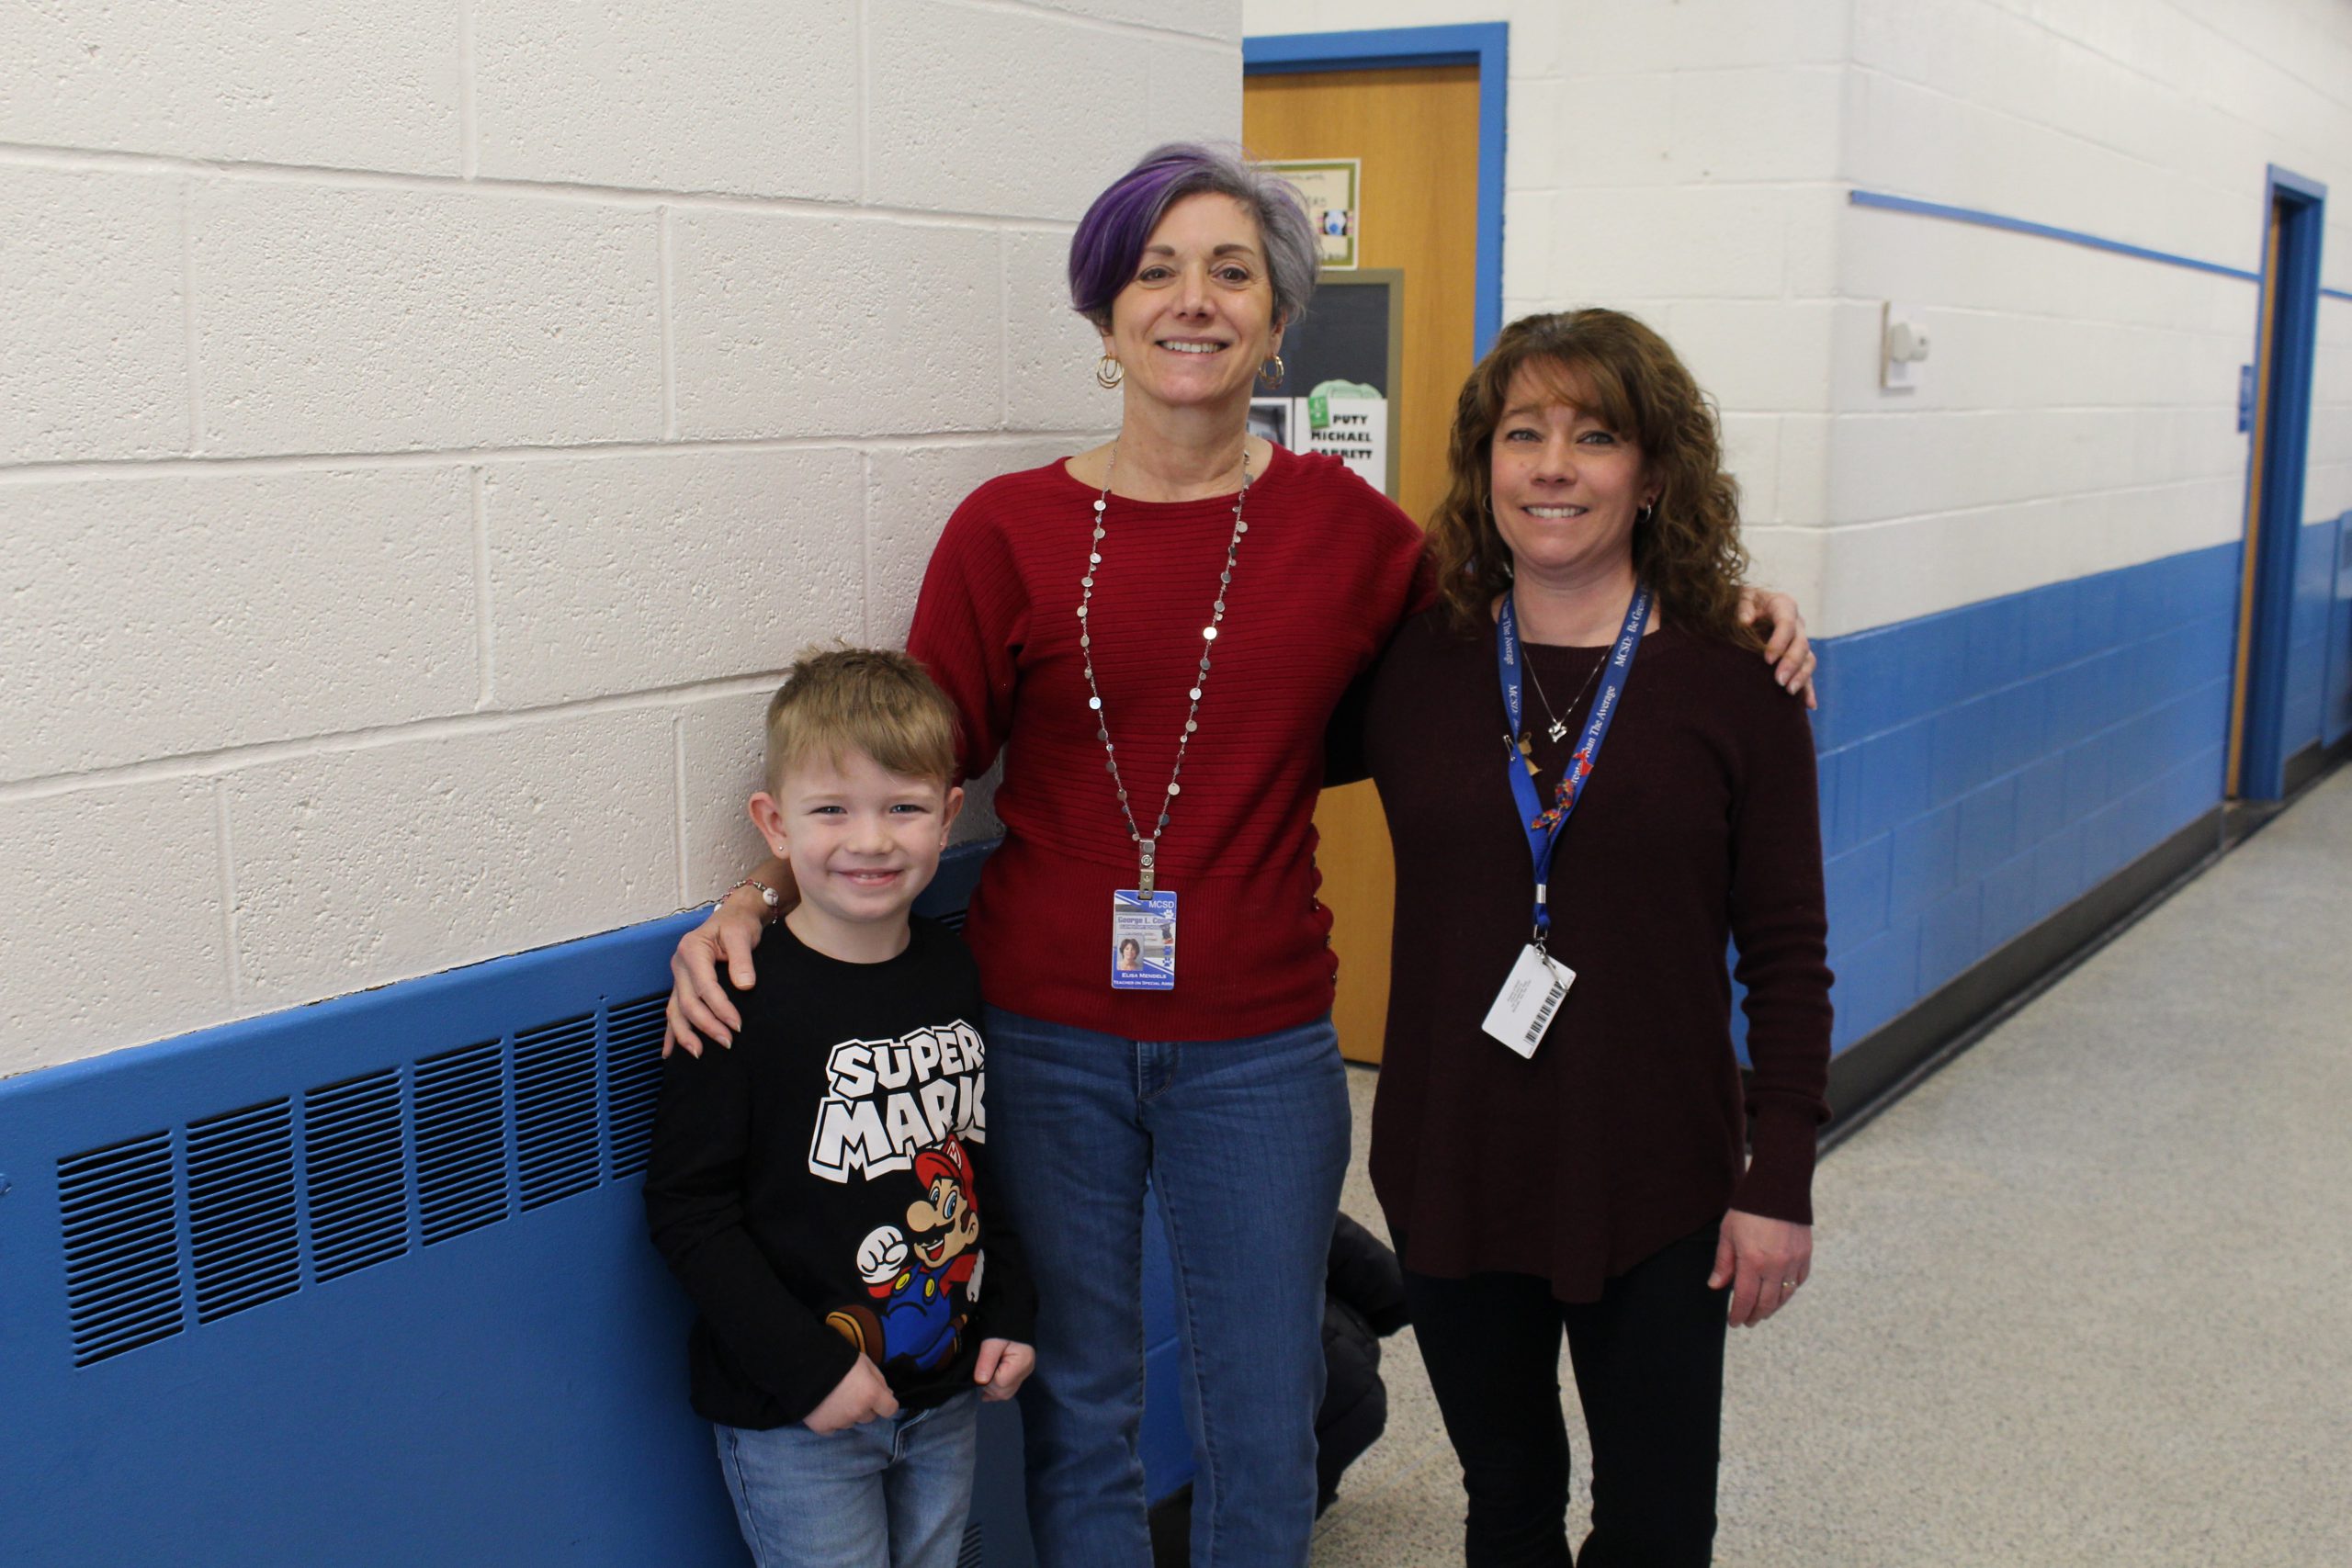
(2290, 287)
(1485, 45)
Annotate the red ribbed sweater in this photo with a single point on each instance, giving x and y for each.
(1326, 573)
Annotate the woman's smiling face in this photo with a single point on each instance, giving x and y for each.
(1196, 320)
(1566, 487)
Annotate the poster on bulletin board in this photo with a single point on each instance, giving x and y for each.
(1328, 187)
(1340, 365)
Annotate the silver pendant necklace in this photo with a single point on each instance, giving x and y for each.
(1146, 850)
(1559, 728)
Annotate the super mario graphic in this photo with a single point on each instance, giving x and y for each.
(912, 1273)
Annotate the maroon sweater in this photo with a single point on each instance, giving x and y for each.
(1327, 570)
(1626, 1130)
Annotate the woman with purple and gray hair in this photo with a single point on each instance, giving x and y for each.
(1155, 635)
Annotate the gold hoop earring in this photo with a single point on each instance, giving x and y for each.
(1109, 373)
(1276, 380)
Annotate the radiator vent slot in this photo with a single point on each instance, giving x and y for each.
(351, 1142)
(633, 1033)
(461, 1141)
(240, 1215)
(246, 1206)
(122, 1272)
(555, 1110)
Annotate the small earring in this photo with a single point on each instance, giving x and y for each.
(1109, 373)
(1275, 378)
(1643, 515)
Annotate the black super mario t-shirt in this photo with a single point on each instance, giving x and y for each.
(821, 1186)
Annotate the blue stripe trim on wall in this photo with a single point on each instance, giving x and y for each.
(1485, 45)
(2043, 230)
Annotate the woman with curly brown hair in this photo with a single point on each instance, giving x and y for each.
(1591, 785)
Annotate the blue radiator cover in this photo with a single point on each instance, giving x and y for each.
(367, 1282)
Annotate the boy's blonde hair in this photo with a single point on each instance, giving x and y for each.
(871, 700)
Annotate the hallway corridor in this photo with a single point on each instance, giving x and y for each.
(2084, 1297)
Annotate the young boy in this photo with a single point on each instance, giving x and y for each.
(818, 1187)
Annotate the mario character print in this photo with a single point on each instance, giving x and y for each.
(912, 1273)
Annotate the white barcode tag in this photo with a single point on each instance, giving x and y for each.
(1524, 1008)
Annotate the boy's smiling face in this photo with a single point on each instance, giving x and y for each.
(862, 842)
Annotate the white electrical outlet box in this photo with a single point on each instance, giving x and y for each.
(1902, 349)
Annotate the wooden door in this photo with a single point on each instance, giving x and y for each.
(2249, 602)
(1416, 131)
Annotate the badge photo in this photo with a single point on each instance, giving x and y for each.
(1143, 940)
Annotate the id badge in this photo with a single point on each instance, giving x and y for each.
(1143, 940)
(1529, 1000)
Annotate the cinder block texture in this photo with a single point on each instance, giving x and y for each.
(1218, 20)
(95, 363)
(372, 319)
(724, 751)
(1755, 356)
(1195, 92)
(361, 867)
(1789, 559)
(622, 575)
(793, 325)
(1684, 242)
(734, 96)
(1751, 446)
(990, 110)
(153, 617)
(1666, 126)
(372, 86)
(1050, 351)
(110, 932)
(913, 492)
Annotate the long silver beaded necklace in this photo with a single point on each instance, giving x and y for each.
(1146, 850)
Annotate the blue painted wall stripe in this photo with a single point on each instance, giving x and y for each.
(1485, 45)
(1984, 220)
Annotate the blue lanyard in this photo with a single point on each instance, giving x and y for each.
(1543, 826)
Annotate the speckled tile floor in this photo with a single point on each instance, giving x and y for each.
(2082, 1298)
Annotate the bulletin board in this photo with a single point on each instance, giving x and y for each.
(1353, 330)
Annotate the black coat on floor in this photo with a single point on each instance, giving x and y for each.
(1364, 1302)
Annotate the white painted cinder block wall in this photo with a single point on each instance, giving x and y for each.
(1679, 161)
(1691, 161)
(2080, 413)
(426, 429)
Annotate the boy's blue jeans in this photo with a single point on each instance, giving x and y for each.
(891, 1494)
(1245, 1143)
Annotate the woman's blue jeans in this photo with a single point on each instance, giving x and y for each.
(1245, 1143)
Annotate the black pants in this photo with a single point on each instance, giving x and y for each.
(1649, 1369)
